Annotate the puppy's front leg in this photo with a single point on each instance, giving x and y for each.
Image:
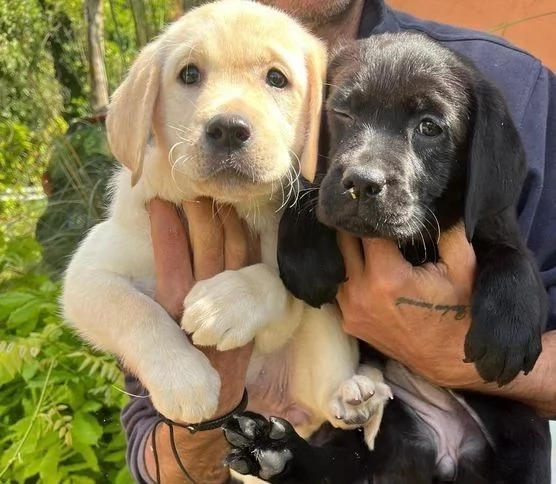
(113, 315)
(231, 308)
(509, 307)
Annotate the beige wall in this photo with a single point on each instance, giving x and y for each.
(536, 33)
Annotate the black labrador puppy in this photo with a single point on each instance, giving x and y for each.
(419, 140)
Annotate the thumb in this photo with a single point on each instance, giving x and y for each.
(456, 255)
(384, 258)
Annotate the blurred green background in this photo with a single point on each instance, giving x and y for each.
(59, 61)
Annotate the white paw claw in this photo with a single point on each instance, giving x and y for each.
(357, 400)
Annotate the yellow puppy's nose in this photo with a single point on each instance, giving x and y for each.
(228, 132)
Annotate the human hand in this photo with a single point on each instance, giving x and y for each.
(416, 315)
(210, 244)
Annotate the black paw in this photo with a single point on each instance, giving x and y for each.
(508, 317)
(260, 447)
(310, 262)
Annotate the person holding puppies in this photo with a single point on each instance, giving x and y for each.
(426, 342)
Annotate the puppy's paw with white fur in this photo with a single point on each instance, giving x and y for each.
(357, 401)
(185, 390)
(227, 310)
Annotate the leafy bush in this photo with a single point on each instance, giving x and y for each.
(78, 174)
(60, 401)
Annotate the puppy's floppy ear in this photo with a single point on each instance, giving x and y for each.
(316, 60)
(131, 110)
(496, 160)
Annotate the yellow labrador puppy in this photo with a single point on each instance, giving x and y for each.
(224, 104)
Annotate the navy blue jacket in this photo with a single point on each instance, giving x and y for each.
(530, 91)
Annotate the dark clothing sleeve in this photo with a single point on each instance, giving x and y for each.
(538, 200)
(138, 419)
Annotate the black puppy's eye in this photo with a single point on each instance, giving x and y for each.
(190, 74)
(428, 127)
(275, 78)
(342, 115)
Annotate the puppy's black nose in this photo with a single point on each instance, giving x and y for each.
(228, 132)
(364, 181)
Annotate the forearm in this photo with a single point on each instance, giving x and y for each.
(538, 388)
(447, 368)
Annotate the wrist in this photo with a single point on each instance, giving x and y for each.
(201, 454)
(536, 389)
(442, 360)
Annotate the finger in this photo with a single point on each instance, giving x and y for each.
(172, 264)
(457, 256)
(206, 237)
(236, 244)
(254, 247)
(352, 252)
(383, 257)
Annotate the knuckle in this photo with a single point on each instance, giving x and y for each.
(384, 284)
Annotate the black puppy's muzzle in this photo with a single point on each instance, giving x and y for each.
(366, 199)
(364, 183)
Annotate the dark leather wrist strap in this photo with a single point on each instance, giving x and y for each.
(211, 424)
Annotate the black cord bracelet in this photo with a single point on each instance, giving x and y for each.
(210, 424)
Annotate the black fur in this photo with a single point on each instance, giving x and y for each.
(319, 286)
(382, 89)
(402, 455)
(410, 186)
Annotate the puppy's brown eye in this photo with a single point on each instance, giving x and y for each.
(190, 74)
(428, 127)
(275, 78)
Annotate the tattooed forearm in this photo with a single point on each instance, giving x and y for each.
(460, 310)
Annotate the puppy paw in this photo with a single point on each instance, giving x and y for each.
(300, 252)
(498, 353)
(227, 310)
(186, 390)
(260, 447)
(357, 401)
(509, 314)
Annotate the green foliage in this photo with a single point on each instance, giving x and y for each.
(30, 97)
(27, 90)
(78, 175)
(22, 152)
(60, 401)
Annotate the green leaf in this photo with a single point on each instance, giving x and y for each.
(85, 429)
(88, 454)
(14, 299)
(49, 471)
(123, 477)
(27, 315)
(90, 406)
(30, 369)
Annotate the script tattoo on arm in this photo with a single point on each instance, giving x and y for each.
(459, 310)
